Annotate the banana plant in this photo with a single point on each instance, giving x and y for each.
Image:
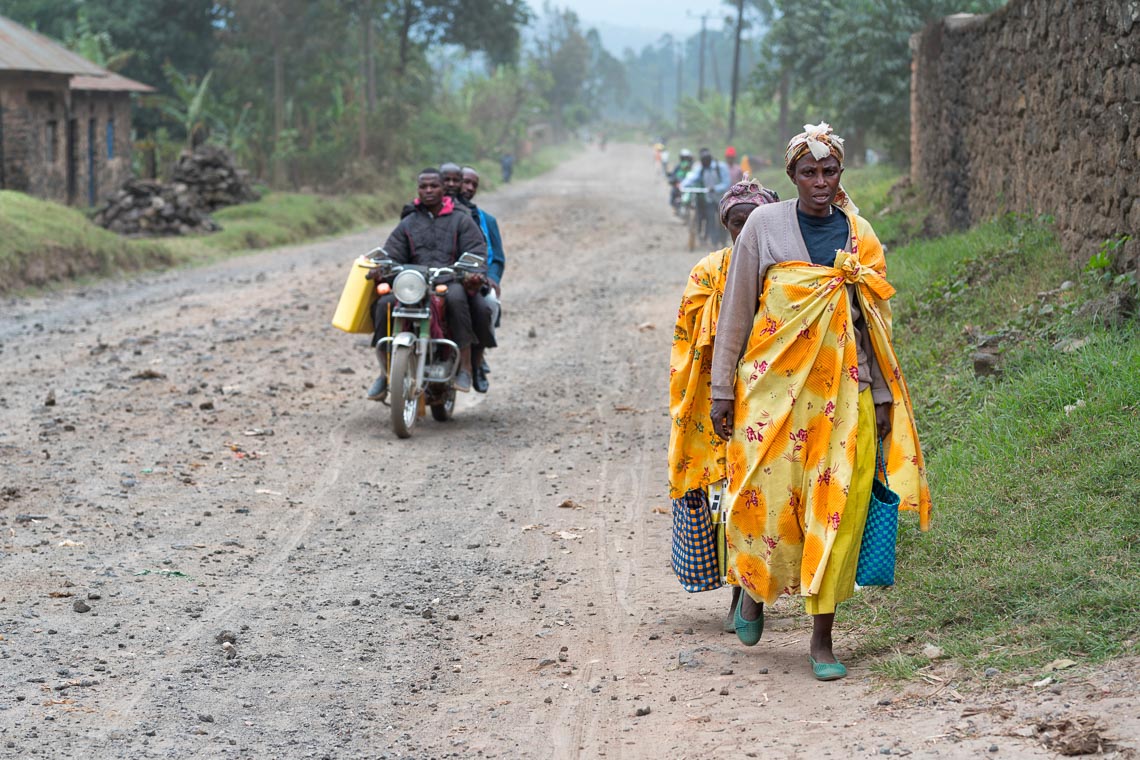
(189, 106)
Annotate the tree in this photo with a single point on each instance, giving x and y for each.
(188, 105)
(860, 79)
(478, 26)
(563, 53)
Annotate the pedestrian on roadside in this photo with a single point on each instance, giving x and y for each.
(805, 386)
(507, 166)
(696, 454)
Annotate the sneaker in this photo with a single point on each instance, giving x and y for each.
(463, 381)
(379, 389)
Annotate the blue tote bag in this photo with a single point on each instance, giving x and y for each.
(877, 551)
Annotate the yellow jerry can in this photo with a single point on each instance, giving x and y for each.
(354, 311)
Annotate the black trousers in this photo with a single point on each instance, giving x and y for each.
(468, 317)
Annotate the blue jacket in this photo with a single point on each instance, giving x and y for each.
(496, 259)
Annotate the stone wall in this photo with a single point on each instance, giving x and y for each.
(1034, 108)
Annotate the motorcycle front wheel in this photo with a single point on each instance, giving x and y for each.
(402, 390)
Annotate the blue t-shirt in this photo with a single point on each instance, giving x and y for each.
(824, 235)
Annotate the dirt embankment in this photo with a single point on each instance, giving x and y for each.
(213, 546)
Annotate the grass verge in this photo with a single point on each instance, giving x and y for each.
(42, 242)
(1033, 553)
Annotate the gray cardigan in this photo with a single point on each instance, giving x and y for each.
(772, 236)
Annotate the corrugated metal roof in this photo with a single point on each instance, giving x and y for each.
(112, 82)
(21, 49)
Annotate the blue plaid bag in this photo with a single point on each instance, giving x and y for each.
(877, 551)
(696, 559)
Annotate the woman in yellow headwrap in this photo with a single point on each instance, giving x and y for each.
(696, 453)
(805, 383)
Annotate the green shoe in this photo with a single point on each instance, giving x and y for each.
(748, 631)
(827, 671)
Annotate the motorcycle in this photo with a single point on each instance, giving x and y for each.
(421, 361)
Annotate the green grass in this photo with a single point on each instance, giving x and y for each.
(1034, 548)
(284, 218)
(42, 243)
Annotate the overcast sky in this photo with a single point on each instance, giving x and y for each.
(634, 24)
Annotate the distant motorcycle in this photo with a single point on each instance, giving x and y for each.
(422, 361)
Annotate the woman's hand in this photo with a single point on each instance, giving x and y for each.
(722, 417)
(882, 418)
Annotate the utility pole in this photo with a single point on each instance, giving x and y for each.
(735, 69)
(680, 53)
(701, 67)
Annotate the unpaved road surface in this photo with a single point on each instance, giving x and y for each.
(497, 586)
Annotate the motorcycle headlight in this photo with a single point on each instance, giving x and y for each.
(410, 287)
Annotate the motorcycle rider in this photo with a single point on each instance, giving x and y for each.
(496, 263)
(676, 175)
(735, 171)
(434, 234)
(712, 175)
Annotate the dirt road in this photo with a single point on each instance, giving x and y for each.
(190, 454)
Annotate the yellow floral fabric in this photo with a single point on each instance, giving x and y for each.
(696, 452)
(792, 455)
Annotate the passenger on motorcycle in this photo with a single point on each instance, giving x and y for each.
(452, 178)
(712, 175)
(496, 263)
(434, 234)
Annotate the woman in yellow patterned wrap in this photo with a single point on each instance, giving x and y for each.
(696, 452)
(805, 382)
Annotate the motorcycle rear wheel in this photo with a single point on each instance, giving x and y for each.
(442, 412)
(402, 386)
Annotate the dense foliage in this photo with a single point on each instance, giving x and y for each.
(846, 62)
(333, 93)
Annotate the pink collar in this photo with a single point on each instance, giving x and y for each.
(447, 207)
